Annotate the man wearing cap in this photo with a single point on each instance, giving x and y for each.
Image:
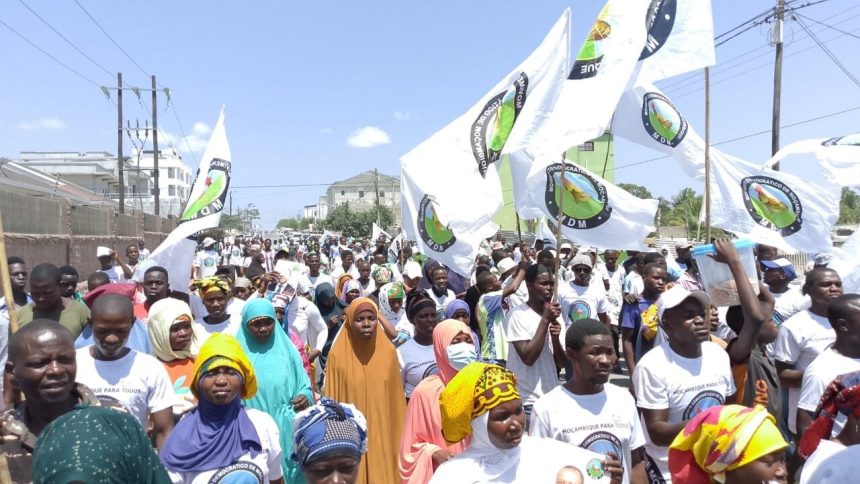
(778, 275)
(206, 260)
(683, 376)
(690, 275)
(580, 299)
(506, 268)
(107, 259)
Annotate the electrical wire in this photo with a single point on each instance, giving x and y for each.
(830, 54)
(829, 26)
(111, 38)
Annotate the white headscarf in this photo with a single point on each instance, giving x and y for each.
(162, 315)
(385, 305)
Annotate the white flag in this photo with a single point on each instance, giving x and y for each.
(377, 231)
(394, 248)
(837, 157)
(680, 39)
(771, 207)
(594, 211)
(847, 264)
(458, 164)
(426, 223)
(544, 233)
(599, 75)
(202, 211)
(646, 116)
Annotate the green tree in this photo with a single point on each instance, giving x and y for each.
(295, 223)
(637, 191)
(230, 222)
(849, 207)
(356, 224)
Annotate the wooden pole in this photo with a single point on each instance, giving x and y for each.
(777, 79)
(558, 189)
(120, 164)
(7, 282)
(155, 172)
(519, 230)
(707, 155)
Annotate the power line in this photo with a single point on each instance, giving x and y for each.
(829, 53)
(111, 38)
(43, 51)
(751, 135)
(829, 26)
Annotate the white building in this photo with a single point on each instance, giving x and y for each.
(175, 179)
(316, 212)
(358, 192)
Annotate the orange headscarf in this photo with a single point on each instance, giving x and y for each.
(366, 373)
(341, 281)
(443, 333)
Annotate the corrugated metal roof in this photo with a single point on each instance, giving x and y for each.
(29, 181)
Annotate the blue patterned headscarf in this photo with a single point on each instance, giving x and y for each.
(328, 428)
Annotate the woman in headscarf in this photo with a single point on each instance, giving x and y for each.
(351, 291)
(96, 444)
(423, 448)
(328, 442)
(221, 440)
(338, 287)
(482, 401)
(730, 444)
(215, 292)
(176, 340)
(841, 397)
(280, 303)
(416, 357)
(331, 310)
(391, 305)
(381, 275)
(283, 385)
(459, 309)
(362, 370)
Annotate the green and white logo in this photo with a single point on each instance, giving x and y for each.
(491, 130)
(587, 63)
(772, 204)
(581, 199)
(663, 123)
(433, 232)
(211, 200)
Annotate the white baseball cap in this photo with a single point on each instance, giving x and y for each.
(412, 269)
(505, 265)
(675, 296)
(566, 246)
(208, 241)
(582, 260)
(103, 251)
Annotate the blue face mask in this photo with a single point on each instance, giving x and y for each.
(461, 354)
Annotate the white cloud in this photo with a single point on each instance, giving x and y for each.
(43, 123)
(403, 116)
(194, 142)
(200, 129)
(368, 137)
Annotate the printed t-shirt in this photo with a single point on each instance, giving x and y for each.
(823, 370)
(581, 302)
(491, 322)
(417, 362)
(538, 379)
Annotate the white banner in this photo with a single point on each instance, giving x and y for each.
(202, 211)
(771, 207)
(458, 164)
(544, 233)
(426, 223)
(838, 159)
(680, 39)
(594, 211)
(377, 231)
(646, 116)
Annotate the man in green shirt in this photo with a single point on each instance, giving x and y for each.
(48, 301)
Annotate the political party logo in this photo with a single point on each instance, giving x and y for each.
(604, 443)
(659, 20)
(594, 469)
(491, 130)
(663, 123)
(701, 402)
(209, 262)
(436, 235)
(211, 199)
(580, 198)
(432, 369)
(238, 473)
(772, 204)
(587, 63)
(579, 310)
(849, 140)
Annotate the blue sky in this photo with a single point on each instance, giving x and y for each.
(299, 78)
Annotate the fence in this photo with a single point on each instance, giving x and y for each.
(57, 231)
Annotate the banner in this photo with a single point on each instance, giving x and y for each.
(458, 164)
(599, 75)
(377, 231)
(646, 116)
(680, 39)
(425, 222)
(593, 211)
(544, 233)
(837, 157)
(847, 264)
(394, 248)
(771, 207)
(202, 211)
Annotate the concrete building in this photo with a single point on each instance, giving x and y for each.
(175, 180)
(358, 192)
(319, 211)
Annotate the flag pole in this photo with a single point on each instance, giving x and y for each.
(519, 230)
(558, 225)
(7, 283)
(707, 155)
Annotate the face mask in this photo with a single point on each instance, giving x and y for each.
(461, 354)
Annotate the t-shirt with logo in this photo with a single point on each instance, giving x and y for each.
(581, 302)
(137, 381)
(604, 422)
(800, 340)
(536, 380)
(491, 312)
(261, 468)
(235, 254)
(206, 262)
(823, 370)
(664, 379)
(417, 362)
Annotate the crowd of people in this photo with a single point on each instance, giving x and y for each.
(344, 361)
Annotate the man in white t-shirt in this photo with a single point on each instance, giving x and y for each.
(206, 260)
(590, 412)
(534, 345)
(790, 300)
(439, 291)
(805, 335)
(580, 299)
(346, 266)
(841, 358)
(111, 370)
(678, 379)
(315, 277)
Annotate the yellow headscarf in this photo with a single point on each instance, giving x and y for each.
(222, 350)
(212, 283)
(476, 389)
(721, 439)
(162, 315)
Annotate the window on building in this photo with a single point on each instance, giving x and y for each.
(382, 194)
(587, 146)
(361, 194)
(342, 192)
(171, 190)
(171, 173)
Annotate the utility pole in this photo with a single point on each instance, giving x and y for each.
(119, 161)
(777, 77)
(376, 189)
(155, 171)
